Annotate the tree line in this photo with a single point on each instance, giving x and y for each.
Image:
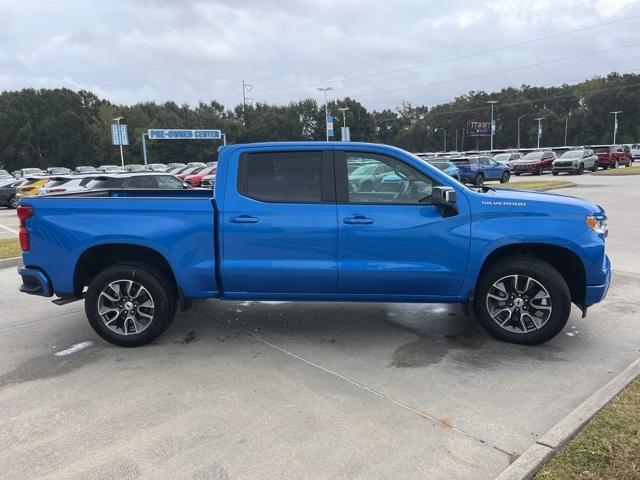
(61, 127)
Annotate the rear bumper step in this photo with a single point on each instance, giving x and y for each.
(35, 282)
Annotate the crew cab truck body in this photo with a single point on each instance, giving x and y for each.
(285, 223)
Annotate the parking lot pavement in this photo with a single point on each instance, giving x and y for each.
(8, 223)
(303, 390)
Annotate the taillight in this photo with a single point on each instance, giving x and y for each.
(54, 190)
(26, 189)
(25, 212)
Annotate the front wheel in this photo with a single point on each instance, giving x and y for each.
(505, 177)
(580, 169)
(539, 170)
(12, 202)
(522, 300)
(130, 305)
(553, 172)
(595, 167)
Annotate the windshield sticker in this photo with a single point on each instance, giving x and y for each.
(495, 203)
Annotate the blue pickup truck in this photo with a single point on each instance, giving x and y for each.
(285, 223)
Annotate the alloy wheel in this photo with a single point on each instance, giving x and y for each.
(126, 307)
(519, 303)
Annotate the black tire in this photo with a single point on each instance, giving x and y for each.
(505, 177)
(12, 202)
(580, 169)
(595, 167)
(159, 288)
(545, 275)
(539, 170)
(366, 187)
(616, 164)
(478, 179)
(605, 167)
(517, 174)
(553, 172)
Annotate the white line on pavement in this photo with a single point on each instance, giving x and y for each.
(15, 232)
(73, 349)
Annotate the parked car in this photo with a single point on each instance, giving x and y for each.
(534, 162)
(30, 187)
(178, 170)
(137, 180)
(85, 169)
(287, 227)
(189, 171)
(576, 161)
(110, 169)
(174, 165)
(134, 167)
(196, 164)
(208, 181)
(479, 168)
(195, 179)
(365, 178)
(26, 172)
(66, 183)
(156, 167)
(4, 175)
(635, 151)
(508, 158)
(612, 156)
(447, 167)
(58, 171)
(8, 192)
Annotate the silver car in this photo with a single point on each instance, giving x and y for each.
(575, 161)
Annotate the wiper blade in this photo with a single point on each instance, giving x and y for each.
(482, 188)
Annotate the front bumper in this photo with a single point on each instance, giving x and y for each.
(597, 293)
(565, 168)
(525, 168)
(35, 282)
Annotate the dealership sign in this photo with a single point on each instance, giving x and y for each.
(181, 134)
(479, 129)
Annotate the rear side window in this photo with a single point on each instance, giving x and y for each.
(282, 177)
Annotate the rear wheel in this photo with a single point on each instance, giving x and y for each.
(522, 300)
(505, 177)
(12, 202)
(580, 169)
(595, 167)
(478, 179)
(130, 305)
(553, 172)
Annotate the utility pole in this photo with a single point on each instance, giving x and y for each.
(457, 140)
(326, 108)
(117, 119)
(519, 118)
(566, 127)
(246, 88)
(539, 119)
(493, 127)
(615, 124)
(344, 119)
(444, 141)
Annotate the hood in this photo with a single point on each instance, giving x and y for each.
(546, 202)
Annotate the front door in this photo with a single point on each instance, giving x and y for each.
(279, 235)
(392, 242)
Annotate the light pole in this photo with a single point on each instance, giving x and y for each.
(519, 118)
(344, 120)
(117, 120)
(566, 127)
(326, 108)
(615, 124)
(493, 127)
(444, 131)
(539, 119)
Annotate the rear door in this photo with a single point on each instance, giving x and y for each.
(392, 242)
(279, 235)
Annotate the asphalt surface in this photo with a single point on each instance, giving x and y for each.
(304, 390)
(8, 223)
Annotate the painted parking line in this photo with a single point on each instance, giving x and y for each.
(74, 349)
(11, 230)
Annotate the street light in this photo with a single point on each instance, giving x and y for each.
(615, 124)
(444, 131)
(117, 120)
(326, 108)
(492, 102)
(539, 119)
(344, 120)
(566, 127)
(519, 118)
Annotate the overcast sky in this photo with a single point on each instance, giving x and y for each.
(380, 52)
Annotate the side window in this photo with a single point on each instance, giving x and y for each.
(376, 178)
(167, 181)
(283, 177)
(138, 182)
(492, 162)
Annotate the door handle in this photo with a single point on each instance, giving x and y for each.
(358, 220)
(243, 219)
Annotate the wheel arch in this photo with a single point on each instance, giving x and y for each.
(562, 259)
(97, 258)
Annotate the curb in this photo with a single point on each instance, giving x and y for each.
(537, 455)
(10, 262)
(556, 187)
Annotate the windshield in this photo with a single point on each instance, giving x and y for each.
(601, 149)
(440, 165)
(572, 154)
(533, 156)
(502, 157)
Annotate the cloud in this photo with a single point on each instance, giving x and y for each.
(187, 51)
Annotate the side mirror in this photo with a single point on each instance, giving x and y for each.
(185, 185)
(446, 199)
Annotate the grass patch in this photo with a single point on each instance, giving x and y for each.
(9, 248)
(620, 171)
(607, 448)
(537, 185)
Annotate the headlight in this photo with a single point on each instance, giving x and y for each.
(598, 223)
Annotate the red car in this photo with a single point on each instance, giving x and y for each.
(534, 162)
(195, 179)
(612, 156)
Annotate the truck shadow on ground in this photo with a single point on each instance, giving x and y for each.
(403, 335)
